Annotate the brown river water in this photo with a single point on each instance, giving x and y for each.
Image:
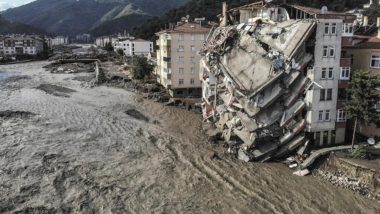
(67, 148)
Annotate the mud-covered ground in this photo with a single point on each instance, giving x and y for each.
(65, 148)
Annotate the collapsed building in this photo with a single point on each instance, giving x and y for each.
(270, 76)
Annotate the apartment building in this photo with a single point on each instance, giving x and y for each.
(59, 40)
(22, 44)
(177, 58)
(364, 52)
(317, 55)
(132, 46)
(104, 40)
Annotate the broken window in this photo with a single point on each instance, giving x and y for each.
(320, 116)
(375, 62)
(327, 28)
(329, 94)
(325, 51)
(333, 28)
(192, 81)
(342, 94)
(322, 94)
(180, 82)
(330, 76)
(327, 115)
(345, 73)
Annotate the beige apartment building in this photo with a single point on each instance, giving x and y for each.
(178, 59)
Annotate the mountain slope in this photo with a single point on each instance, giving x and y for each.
(8, 27)
(72, 17)
(211, 8)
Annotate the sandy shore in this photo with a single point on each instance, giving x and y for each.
(65, 148)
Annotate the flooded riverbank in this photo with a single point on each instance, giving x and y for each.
(107, 150)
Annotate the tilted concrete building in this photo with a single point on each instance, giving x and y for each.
(177, 58)
(271, 75)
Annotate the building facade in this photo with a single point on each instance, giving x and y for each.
(177, 59)
(132, 46)
(22, 45)
(59, 40)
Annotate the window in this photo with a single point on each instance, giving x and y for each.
(192, 47)
(325, 51)
(333, 28)
(329, 94)
(192, 70)
(332, 51)
(181, 37)
(327, 28)
(181, 71)
(341, 116)
(322, 95)
(192, 37)
(327, 115)
(203, 37)
(345, 73)
(192, 81)
(342, 94)
(320, 116)
(324, 73)
(181, 59)
(348, 28)
(192, 59)
(181, 48)
(330, 76)
(375, 62)
(180, 82)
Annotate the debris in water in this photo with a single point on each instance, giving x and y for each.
(137, 115)
(56, 90)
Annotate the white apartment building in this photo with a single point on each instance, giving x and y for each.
(177, 58)
(22, 44)
(59, 40)
(131, 46)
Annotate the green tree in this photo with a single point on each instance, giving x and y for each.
(362, 99)
(108, 47)
(141, 67)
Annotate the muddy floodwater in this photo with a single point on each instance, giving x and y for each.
(67, 148)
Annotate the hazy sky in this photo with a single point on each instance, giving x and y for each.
(5, 4)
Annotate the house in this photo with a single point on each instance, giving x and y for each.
(22, 45)
(177, 59)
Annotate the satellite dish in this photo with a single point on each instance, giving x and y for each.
(324, 10)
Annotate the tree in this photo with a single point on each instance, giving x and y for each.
(141, 67)
(362, 99)
(120, 52)
(108, 47)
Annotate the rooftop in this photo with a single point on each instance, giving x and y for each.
(187, 27)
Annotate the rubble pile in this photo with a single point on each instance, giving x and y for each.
(69, 68)
(254, 87)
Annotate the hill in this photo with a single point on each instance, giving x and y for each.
(71, 17)
(8, 27)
